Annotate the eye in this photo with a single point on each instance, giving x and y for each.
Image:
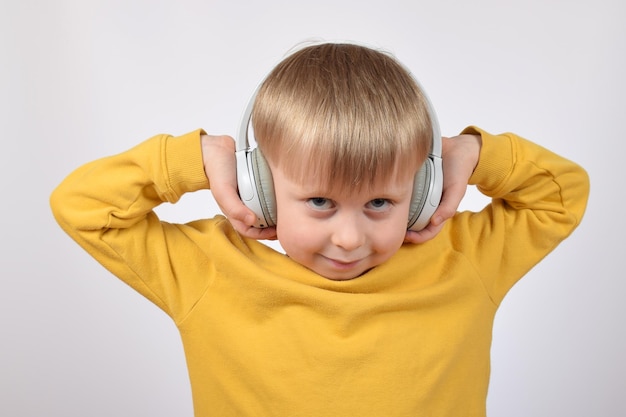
(379, 204)
(320, 203)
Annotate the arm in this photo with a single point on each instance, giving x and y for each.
(538, 198)
(107, 207)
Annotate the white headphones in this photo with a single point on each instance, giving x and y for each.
(256, 187)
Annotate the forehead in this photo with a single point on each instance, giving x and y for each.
(322, 183)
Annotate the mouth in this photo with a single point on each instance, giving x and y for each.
(343, 265)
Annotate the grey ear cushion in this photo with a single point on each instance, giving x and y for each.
(265, 186)
(421, 184)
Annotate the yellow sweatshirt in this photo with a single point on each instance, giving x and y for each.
(264, 336)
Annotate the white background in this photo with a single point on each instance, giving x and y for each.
(83, 79)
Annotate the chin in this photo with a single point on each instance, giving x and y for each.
(341, 276)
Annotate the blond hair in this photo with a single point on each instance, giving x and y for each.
(344, 115)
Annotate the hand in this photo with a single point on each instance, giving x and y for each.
(460, 156)
(218, 154)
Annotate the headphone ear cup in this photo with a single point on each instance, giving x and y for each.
(421, 189)
(265, 186)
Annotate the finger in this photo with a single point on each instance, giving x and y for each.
(423, 235)
(231, 205)
(239, 213)
(268, 233)
(450, 201)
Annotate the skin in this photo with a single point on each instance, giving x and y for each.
(338, 244)
(346, 233)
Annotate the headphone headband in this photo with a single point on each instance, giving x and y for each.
(241, 140)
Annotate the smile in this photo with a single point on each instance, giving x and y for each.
(343, 265)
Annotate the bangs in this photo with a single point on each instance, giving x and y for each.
(335, 157)
(342, 116)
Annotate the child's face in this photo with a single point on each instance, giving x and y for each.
(341, 235)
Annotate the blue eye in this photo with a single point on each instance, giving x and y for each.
(320, 203)
(378, 204)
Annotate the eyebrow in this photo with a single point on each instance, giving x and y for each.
(394, 192)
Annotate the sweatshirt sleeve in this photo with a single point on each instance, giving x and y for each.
(107, 205)
(538, 198)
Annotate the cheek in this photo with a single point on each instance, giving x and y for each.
(299, 246)
(390, 240)
(297, 236)
(390, 237)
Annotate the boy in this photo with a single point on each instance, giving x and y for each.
(359, 317)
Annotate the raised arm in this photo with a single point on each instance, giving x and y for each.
(107, 205)
(537, 197)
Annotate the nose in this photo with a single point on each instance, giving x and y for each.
(348, 233)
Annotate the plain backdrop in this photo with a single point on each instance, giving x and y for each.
(83, 79)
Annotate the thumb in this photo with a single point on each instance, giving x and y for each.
(232, 206)
(450, 201)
